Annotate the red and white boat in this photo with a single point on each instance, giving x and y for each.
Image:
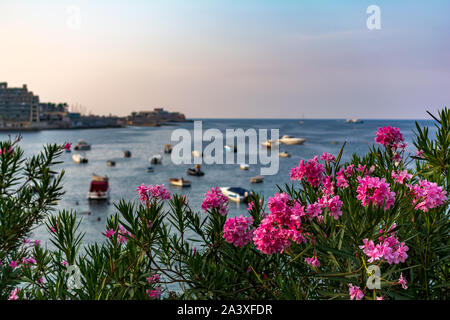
(99, 189)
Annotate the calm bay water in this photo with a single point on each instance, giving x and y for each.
(109, 144)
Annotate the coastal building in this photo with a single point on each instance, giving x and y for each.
(157, 117)
(19, 108)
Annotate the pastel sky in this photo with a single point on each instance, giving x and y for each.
(231, 59)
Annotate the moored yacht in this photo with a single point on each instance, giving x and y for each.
(286, 139)
(235, 194)
(82, 146)
(99, 188)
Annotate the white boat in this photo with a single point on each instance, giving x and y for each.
(284, 154)
(197, 154)
(267, 144)
(155, 159)
(82, 146)
(291, 140)
(354, 120)
(244, 166)
(179, 182)
(235, 194)
(99, 188)
(79, 158)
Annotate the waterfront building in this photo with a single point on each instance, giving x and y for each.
(157, 117)
(19, 108)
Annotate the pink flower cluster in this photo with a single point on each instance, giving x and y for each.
(355, 292)
(238, 231)
(13, 295)
(280, 226)
(401, 176)
(122, 234)
(334, 206)
(388, 248)
(389, 137)
(215, 199)
(147, 193)
(376, 191)
(153, 279)
(154, 294)
(328, 158)
(313, 261)
(427, 195)
(312, 170)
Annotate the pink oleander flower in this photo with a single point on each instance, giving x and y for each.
(376, 191)
(313, 261)
(64, 263)
(401, 176)
(314, 210)
(427, 195)
(250, 206)
(328, 158)
(152, 192)
(270, 238)
(154, 294)
(280, 226)
(26, 261)
(215, 199)
(397, 157)
(419, 154)
(153, 279)
(67, 146)
(312, 170)
(1, 263)
(13, 264)
(238, 231)
(109, 233)
(328, 186)
(37, 243)
(13, 295)
(402, 281)
(355, 292)
(389, 136)
(363, 169)
(388, 248)
(123, 234)
(380, 298)
(334, 207)
(341, 179)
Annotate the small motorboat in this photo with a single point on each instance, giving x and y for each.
(267, 144)
(82, 146)
(168, 148)
(197, 154)
(257, 179)
(99, 189)
(195, 171)
(79, 158)
(354, 120)
(111, 163)
(284, 154)
(291, 140)
(156, 159)
(127, 154)
(179, 182)
(235, 194)
(149, 169)
(230, 148)
(244, 166)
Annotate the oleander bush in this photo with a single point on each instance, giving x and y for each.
(376, 227)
